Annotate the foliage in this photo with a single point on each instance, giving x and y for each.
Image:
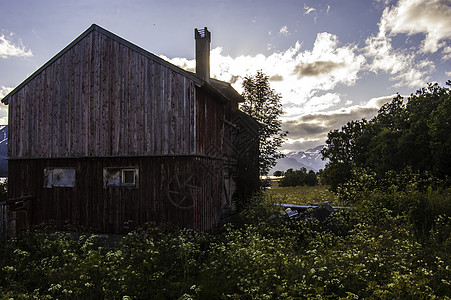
(4, 190)
(279, 173)
(419, 197)
(264, 105)
(413, 132)
(301, 195)
(298, 178)
(371, 251)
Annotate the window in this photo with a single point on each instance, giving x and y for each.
(120, 177)
(128, 176)
(59, 177)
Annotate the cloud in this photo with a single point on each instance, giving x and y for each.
(4, 91)
(276, 77)
(308, 9)
(4, 108)
(189, 65)
(312, 129)
(446, 53)
(321, 103)
(316, 68)
(284, 31)
(9, 49)
(327, 65)
(429, 17)
(405, 65)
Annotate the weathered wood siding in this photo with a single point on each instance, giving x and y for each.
(214, 126)
(163, 184)
(102, 98)
(104, 103)
(209, 120)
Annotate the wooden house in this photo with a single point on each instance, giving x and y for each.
(108, 136)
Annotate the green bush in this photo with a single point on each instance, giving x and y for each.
(371, 251)
(298, 178)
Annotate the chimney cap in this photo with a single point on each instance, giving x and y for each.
(202, 34)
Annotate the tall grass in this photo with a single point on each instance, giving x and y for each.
(369, 252)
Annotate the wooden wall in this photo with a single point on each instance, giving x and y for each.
(103, 98)
(103, 103)
(162, 185)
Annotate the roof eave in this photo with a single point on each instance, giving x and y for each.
(117, 38)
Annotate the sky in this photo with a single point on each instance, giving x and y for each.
(332, 61)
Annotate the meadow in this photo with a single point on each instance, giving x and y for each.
(301, 194)
(374, 251)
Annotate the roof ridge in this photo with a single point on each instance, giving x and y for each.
(95, 27)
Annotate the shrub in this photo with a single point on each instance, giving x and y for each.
(370, 251)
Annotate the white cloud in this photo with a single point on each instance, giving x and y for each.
(312, 129)
(323, 102)
(308, 9)
(4, 91)
(284, 31)
(405, 65)
(4, 108)
(430, 17)
(8, 48)
(446, 53)
(303, 77)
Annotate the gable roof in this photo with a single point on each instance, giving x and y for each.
(222, 89)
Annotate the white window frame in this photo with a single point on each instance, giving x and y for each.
(115, 177)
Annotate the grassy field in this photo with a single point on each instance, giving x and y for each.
(370, 252)
(301, 194)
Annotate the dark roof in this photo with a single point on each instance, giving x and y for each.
(222, 89)
(226, 89)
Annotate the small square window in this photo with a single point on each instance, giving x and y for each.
(128, 176)
(120, 177)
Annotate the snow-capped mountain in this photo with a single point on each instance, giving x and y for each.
(310, 159)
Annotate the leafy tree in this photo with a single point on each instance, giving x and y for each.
(4, 190)
(311, 179)
(439, 125)
(298, 178)
(343, 150)
(263, 104)
(406, 133)
(278, 173)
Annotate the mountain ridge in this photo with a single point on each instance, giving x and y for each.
(311, 159)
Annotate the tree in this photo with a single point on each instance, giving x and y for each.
(406, 133)
(298, 178)
(278, 173)
(263, 104)
(440, 132)
(311, 179)
(344, 150)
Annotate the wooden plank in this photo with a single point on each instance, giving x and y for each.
(103, 98)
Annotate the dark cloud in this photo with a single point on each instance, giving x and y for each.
(297, 129)
(276, 77)
(234, 79)
(316, 126)
(316, 68)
